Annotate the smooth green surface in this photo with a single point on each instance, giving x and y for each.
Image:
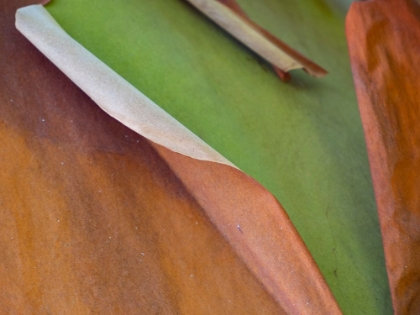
(302, 140)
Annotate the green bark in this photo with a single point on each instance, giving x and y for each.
(302, 140)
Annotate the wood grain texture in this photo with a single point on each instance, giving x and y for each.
(384, 43)
(92, 219)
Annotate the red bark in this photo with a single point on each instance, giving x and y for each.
(384, 44)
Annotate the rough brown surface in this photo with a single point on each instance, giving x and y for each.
(384, 42)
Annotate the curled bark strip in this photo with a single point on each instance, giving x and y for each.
(284, 76)
(384, 44)
(115, 95)
(247, 215)
(230, 16)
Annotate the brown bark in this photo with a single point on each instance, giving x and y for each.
(384, 43)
